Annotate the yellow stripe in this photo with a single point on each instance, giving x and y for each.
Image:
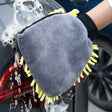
(61, 10)
(38, 90)
(29, 75)
(94, 54)
(26, 68)
(74, 84)
(82, 76)
(21, 60)
(95, 47)
(88, 68)
(54, 98)
(90, 62)
(57, 97)
(79, 80)
(40, 94)
(74, 12)
(49, 100)
(56, 11)
(43, 97)
(87, 73)
(33, 82)
(93, 60)
(28, 72)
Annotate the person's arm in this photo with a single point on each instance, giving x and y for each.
(101, 14)
(97, 18)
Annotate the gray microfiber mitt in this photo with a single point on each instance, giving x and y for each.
(56, 50)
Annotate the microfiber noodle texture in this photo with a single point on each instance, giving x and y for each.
(56, 50)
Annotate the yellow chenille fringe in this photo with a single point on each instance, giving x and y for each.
(86, 70)
(74, 12)
(39, 91)
(92, 61)
(58, 11)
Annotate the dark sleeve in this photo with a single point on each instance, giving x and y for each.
(90, 25)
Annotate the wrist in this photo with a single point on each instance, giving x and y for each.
(90, 25)
(101, 15)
